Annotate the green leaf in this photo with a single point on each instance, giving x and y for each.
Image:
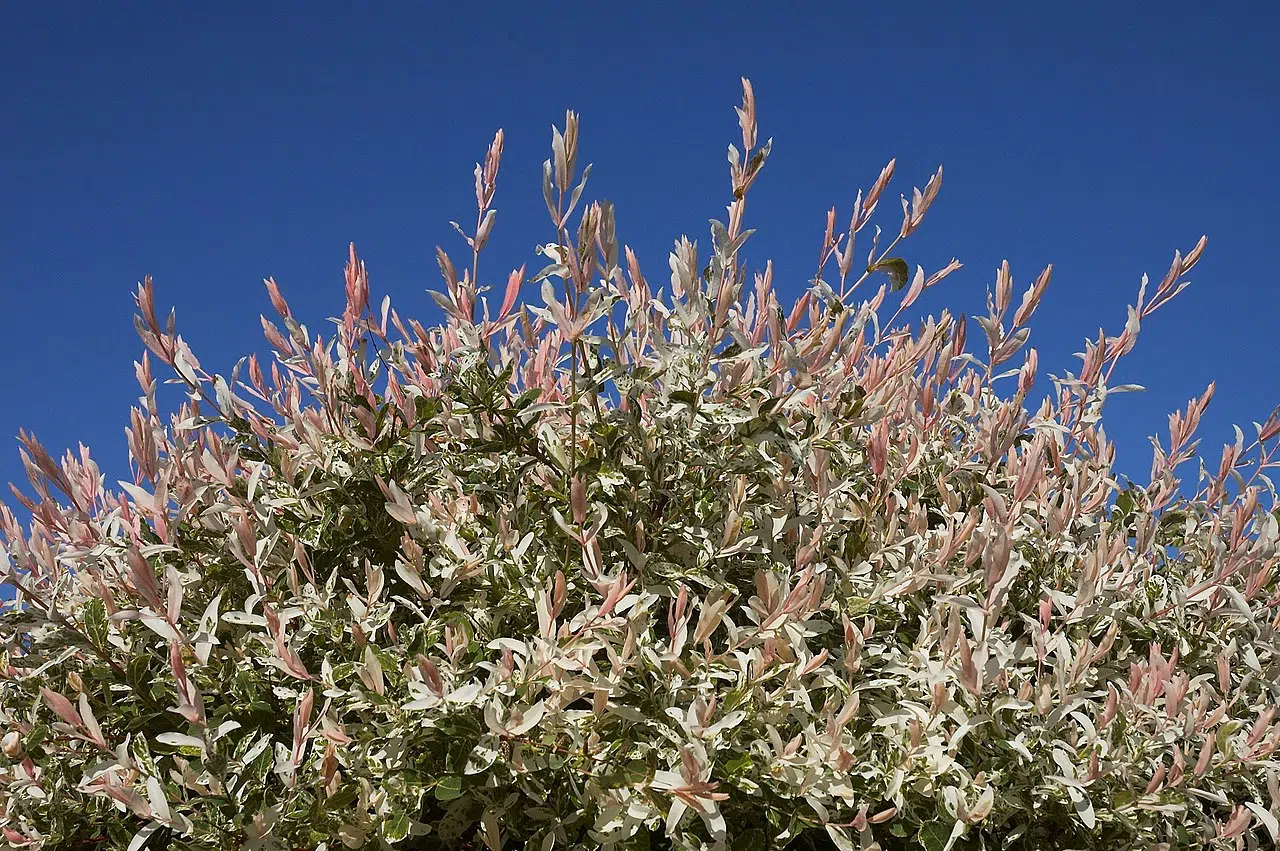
(38, 734)
(636, 772)
(730, 351)
(459, 753)
(897, 270)
(527, 398)
(934, 835)
(1124, 503)
(344, 796)
(95, 622)
(137, 671)
(139, 751)
(396, 827)
(449, 788)
(686, 397)
(460, 816)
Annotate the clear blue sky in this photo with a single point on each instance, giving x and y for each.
(211, 145)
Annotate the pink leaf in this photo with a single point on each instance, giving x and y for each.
(63, 707)
(513, 290)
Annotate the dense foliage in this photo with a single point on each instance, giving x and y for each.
(630, 569)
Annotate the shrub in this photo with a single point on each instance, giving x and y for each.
(629, 570)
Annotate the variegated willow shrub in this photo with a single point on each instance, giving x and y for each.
(627, 569)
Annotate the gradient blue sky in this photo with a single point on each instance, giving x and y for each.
(211, 145)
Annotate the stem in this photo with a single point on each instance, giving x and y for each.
(571, 304)
(845, 293)
(57, 617)
(475, 264)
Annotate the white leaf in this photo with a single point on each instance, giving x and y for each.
(140, 838)
(1084, 808)
(1264, 815)
(90, 722)
(244, 619)
(840, 837)
(180, 740)
(209, 620)
(532, 716)
(421, 703)
(714, 820)
(160, 627)
(224, 728)
(675, 814)
(159, 803)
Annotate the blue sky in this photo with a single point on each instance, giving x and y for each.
(213, 145)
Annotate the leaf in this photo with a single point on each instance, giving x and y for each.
(91, 723)
(1241, 604)
(1084, 809)
(486, 227)
(140, 838)
(719, 235)
(158, 800)
(686, 397)
(530, 719)
(577, 192)
(62, 707)
(95, 622)
(897, 270)
(396, 827)
(188, 745)
(546, 190)
(38, 734)
(1268, 820)
(740, 764)
(934, 835)
(629, 713)
(840, 837)
(449, 788)
(342, 797)
(481, 757)
(460, 815)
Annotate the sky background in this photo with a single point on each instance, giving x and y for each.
(213, 145)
